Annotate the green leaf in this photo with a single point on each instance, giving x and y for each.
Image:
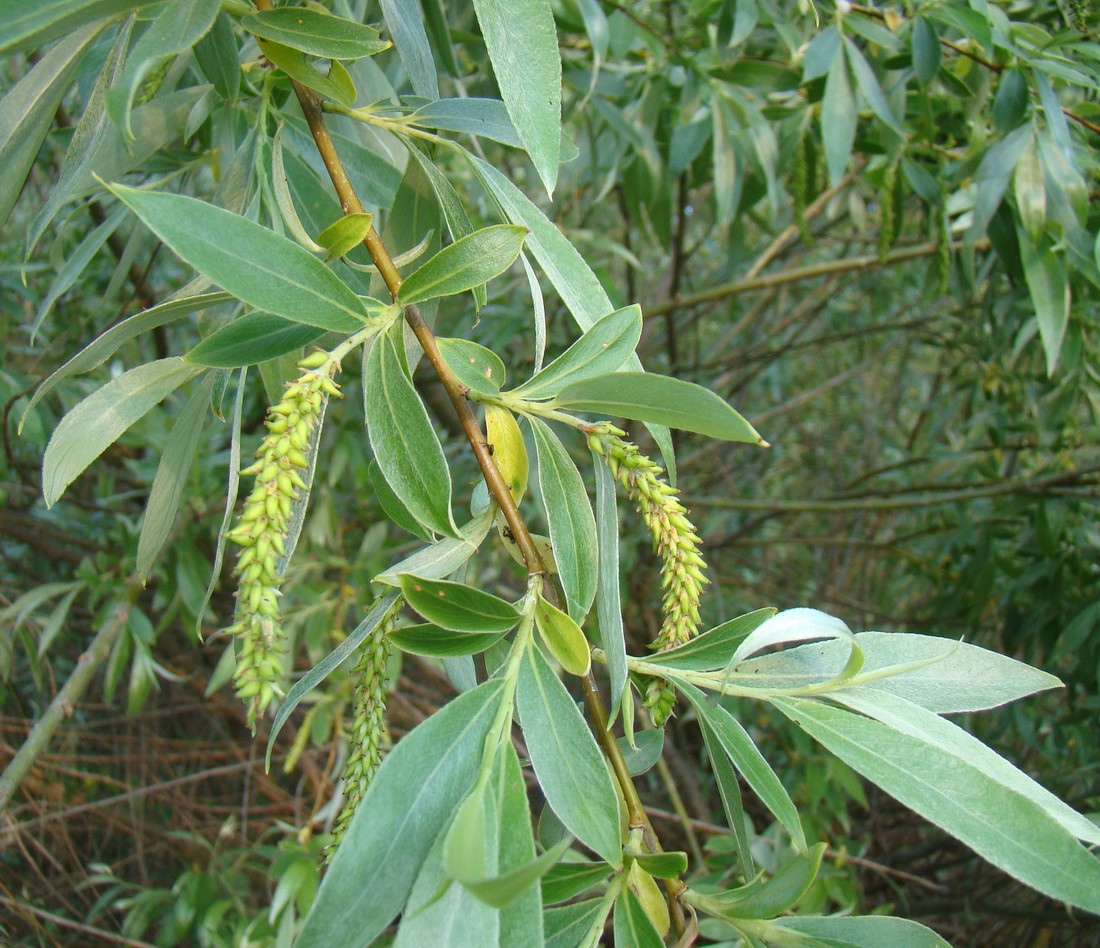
(566, 925)
(470, 261)
(633, 928)
(522, 41)
(345, 234)
(1010, 104)
(869, 86)
(569, 514)
(750, 763)
(926, 50)
(642, 396)
(1050, 294)
(456, 606)
(909, 718)
(666, 865)
(256, 265)
(403, 439)
(567, 762)
(167, 489)
(601, 350)
(729, 789)
(219, 58)
(563, 637)
(478, 368)
(100, 420)
(27, 25)
(178, 27)
(27, 111)
(944, 676)
(443, 557)
(838, 119)
(485, 117)
(316, 32)
(792, 625)
(250, 339)
(869, 931)
(642, 757)
(336, 85)
(609, 611)
(823, 51)
(569, 879)
(1003, 826)
(439, 643)
(405, 22)
(780, 893)
(715, 648)
(1031, 193)
(319, 672)
(409, 802)
(392, 505)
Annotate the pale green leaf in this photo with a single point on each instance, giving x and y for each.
(219, 58)
(253, 263)
(838, 119)
(563, 637)
(470, 261)
(345, 234)
(167, 489)
(485, 117)
(478, 368)
(522, 41)
(405, 22)
(1003, 826)
(336, 84)
(315, 32)
(601, 350)
(926, 50)
(567, 761)
(633, 926)
(250, 339)
(408, 804)
(661, 400)
(100, 420)
(443, 557)
(403, 438)
(27, 25)
(572, 524)
(1050, 294)
(868, 931)
(177, 28)
(440, 643)
(27, 111)
(715, 648)
(609, 610)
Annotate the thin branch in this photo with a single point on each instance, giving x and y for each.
(66, 699)
(25, 907)
(797, 274)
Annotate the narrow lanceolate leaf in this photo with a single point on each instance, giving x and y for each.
(178, 27)
(319, 672)
(1004, 827)
(478, 368)
(253, 263)
(523, 47)
(572, 525)
(403, 439)
(748, 760)
(410, 801)
(405, 24)
(426, 639)
(642, 396)
(602, 349)
(100, 420)
(27, 25)
(316, 32)
(167, 489)
(27, 111)
(458, 607)
(632, 925)
(715, 648)
(868, 931)
(252, 338)
(1050, 294)
(471, 261)
(609, 608)
(838, 119)
(567, 762)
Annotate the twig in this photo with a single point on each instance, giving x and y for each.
(26, 907)
(66, 699)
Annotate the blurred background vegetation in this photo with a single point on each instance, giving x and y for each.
(935, 462)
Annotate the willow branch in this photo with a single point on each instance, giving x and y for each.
(498, 488)
(67, 698)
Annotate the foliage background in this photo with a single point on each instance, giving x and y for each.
(878, 315)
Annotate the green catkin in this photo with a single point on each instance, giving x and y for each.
(675, 542)
(800, 186)
(263, 528)
(368, 727)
